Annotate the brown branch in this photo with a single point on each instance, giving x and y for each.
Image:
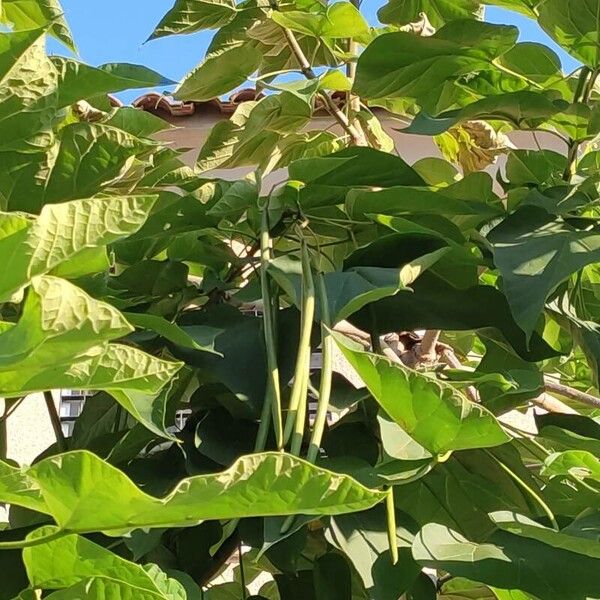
(355, 134)
(452, 361)
(427, 347)
(553, 405)
(552, 385)
(61, 442)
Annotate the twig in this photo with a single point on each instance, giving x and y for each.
(452, 361)
(553, 405)
(357, 136)
(552, 385)
(242, 572)
(61, 442)
(427, 352)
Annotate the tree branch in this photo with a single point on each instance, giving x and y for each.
(427, 352)
(552, 385)
(61, 442)
(357, 136)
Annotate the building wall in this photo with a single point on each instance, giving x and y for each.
(29, 430)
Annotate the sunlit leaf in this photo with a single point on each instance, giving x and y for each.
(83, 493)
(432, 412)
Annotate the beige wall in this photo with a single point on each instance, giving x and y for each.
(192, 131)
(29, 430)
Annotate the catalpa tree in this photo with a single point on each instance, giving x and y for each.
(355, 434)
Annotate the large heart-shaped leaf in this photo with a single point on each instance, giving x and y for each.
(349, 291)
(523, 109)
(83, 493)
(575, 25)
(576, 463)
(78, 81)
(567, 539)
(509, 561)
(219, 73)
(439, 12)
(28, 92)
(73, 559)
(432, 412)
(535, 252)
(36, 14)
(189, 16)
(404, 65)
(33, 247)
(58, 321)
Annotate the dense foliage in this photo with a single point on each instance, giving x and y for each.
(444, 299)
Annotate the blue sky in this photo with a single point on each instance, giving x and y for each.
(116, 32)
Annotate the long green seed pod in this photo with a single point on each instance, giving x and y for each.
(324, 387)
(273, 391)
(391, 525)
(326, 373)
(300, 420)
(303, 355)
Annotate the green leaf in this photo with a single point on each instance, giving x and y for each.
(114, 367)
(28, 92)
(526, 7)
(432, 412)
(166, 329)
(138, 123)
(332, 577)
(329, 178)
(58, 321)
(349, 291)
(241, 196)
(36, 14)
(84, 494)
(108, 589)
(363, 538)
(439, 12)
(523, 109)
(570, 432)
(78, 81)
(63, 231)
(341, 19)
(577, 463)
(437, 304)
(404, 65)
(567, 539)
(509, 561)
(467, 211)
(535, 252)
(219, 73)
(575, 25)
(73, 559)
(534, 168)
(87, 158)
(189, 16)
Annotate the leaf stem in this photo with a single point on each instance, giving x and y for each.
(61, 442)
(527, 488)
